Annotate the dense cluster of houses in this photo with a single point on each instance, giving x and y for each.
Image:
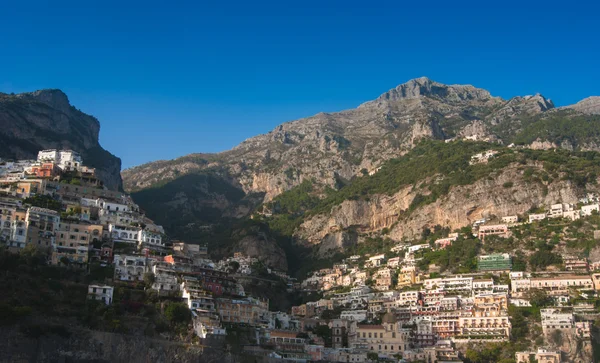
(389, 307)
(58, 205)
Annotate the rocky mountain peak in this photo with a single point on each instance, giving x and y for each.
(52, 97)
(590, 105)
(424, 87)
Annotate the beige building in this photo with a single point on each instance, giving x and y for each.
(247, 311)
(485, 326)
(42, 224)
(497, 299)
(561, 285)
(388, 338)
(553, 319)
(74, 240)
(541, 356)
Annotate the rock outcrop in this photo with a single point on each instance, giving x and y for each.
(30, 122)
(486, 198)
(590, 105)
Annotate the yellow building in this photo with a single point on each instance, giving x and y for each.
(500, 300)
(74, 240)
(388, 338)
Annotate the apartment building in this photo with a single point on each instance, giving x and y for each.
(510, 219)
(387, 338)
(130, 267)
(476, 327)
(495, 299)
(587, 210)
(42, 225)
(354, 315)
(442, 243)
(489, 230)
(454, 284)
(375, 261)
(74, 241)
(553, 319)
(126, 234)
(245, 311)
(102, 293)
(541, 356)
(536, 217)
(13, 227)
(561, 285)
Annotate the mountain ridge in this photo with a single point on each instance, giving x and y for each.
(332, 149)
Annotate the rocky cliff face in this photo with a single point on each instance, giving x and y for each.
(590, 105)
(330, 146)
(490, 198)
(30, 122)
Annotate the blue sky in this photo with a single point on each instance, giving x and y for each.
(168, 79)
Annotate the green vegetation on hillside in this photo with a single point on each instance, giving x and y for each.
(459, 257)
(560, 126)
(178, 202)
(433, 168)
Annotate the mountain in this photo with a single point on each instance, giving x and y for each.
(333, 148)
(590, 105)
(30, 122)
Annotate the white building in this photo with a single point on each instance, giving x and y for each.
(450, 284)
(537, 217)
(128, 234)
(587, 210)
(510, 219)
(555, 319)
(65, 159)
(130, 267)
(415, 248)
(354, 315)
(102, 293)
(165, 279)
(375, 261)
(154, 239)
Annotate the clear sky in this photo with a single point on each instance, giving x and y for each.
(170, 78)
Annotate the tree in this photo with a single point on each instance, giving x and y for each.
(538, 298)
(372, 356)
(65, 261)
(234, 266)
(149, 279)
(324, 331)
(178, 313)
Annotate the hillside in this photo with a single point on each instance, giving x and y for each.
(331, 150)
(330, 146)
(433, 185)
(30, 122)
